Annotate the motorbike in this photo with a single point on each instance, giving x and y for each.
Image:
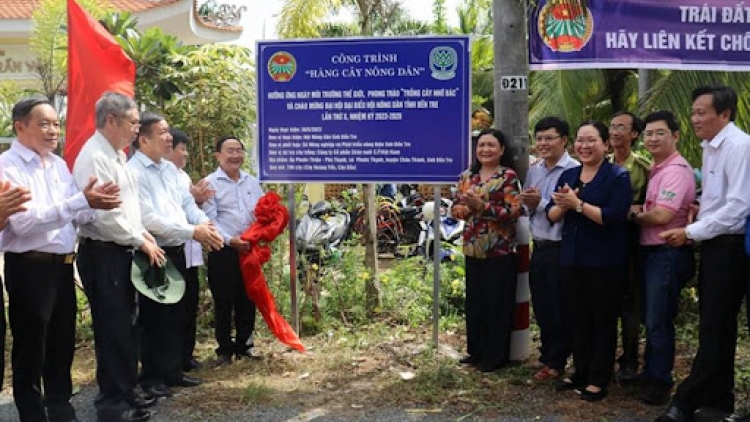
(319, 233)
(449, 234)
(398, 224)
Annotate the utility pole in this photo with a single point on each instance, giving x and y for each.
(511, 78)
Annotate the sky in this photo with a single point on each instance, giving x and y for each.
(259, 19)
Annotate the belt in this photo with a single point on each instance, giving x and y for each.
(652, 248)
(103, 244)
(540, 244)
(56, 258)
(726, 239)
(174, 249)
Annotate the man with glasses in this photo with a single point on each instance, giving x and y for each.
(232, 209)
(624, 130)
(39, 244)
(720, 227)
(170, 214)
(666, 269)
(547, 291)
(105, 257)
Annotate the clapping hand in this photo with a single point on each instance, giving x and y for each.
(531, 197)
(102, 197)
(12, 199)
(566, 198)
(474, 200)
(202, 191)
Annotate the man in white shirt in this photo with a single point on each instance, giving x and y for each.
(233, 210)
(39, 245)
(105, 257)
(720, 227)
(548, 292)
(170, 214)
(193, 250)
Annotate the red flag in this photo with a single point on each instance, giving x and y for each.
(271, 218)
(96, 64)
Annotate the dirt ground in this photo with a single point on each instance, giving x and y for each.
(383, 367)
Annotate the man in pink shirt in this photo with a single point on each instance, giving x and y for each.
(666, 269)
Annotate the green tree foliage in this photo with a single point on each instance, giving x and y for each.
(217, 98)
(308, 19)
(49, 40)
(208, 91)
(671, 90)
(10, 93)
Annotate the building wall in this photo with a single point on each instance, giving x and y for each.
(17, 63)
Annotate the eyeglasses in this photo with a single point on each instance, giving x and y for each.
(546, 139)
(589, 141)
(134, 125)
(657, 133)
(45, 125)
(234, 151)
(619, 128)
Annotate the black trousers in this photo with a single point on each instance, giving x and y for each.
(594, 304)
(42, 313)
(630, 303)
(162, 333)
(3, 333)
(490, 307)
(230, 297)
(190, 306)
(105, 272)
(549, 300)
(722, 284)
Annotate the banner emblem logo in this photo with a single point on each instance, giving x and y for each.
(565, 26)
(282, 66)
(443, 63)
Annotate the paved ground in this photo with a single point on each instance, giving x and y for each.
(165, 412)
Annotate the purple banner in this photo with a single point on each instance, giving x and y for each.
(656, 34)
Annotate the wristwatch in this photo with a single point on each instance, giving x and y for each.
(688, 236)
(579, 208)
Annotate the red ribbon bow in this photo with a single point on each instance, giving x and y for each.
(271, 218)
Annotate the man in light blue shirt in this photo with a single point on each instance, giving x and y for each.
(170, 214)
(232, 209)
(545, 281)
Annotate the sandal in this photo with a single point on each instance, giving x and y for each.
(546, 374)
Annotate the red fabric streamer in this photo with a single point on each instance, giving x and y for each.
(271, 218)
(96, 64)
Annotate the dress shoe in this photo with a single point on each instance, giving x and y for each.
(248, 354)
(566, 384)
(468, 360)
(185, 381)
(656, 393)
(156, 391)
(191, 365)
(222, 360)
(487, 368)
(627, 376)
(675, 414)
(139, 402)
(130, 415)
(593, 396)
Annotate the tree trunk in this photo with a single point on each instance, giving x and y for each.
(372, 284)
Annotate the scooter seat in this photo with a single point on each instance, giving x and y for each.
(408, 211)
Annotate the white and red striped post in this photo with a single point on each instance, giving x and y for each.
(520, 339)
